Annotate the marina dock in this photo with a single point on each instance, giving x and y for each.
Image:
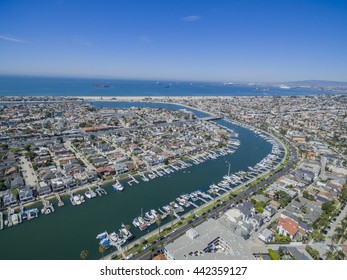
(100, 191)
(47, 207)
(133, 180)
(60, 201)
(192, 203)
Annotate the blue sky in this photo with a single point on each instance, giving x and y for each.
(231, 40)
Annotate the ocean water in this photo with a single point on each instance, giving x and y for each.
(44, 86)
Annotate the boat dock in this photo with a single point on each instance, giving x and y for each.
(60, 201)
(91, 192)
(47, 207)
(100, 191)
(203, 200)
(73, 202)
(192, 203)
(133, 180)
(143, 177)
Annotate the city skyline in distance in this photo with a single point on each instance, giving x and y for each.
(242, 41)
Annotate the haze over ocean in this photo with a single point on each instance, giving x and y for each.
(44, 86)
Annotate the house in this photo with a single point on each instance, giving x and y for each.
(257, 221)
(44, 188)
(57, 184)
(269, 211)
(246, 209)
(266, 235)
(25, 194)
(294, 252)
(261, 198)
(9, 198)
(120, 168)
(288, 227)
(15, 181)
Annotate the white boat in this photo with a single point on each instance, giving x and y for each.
(118, 187)
(102, 235)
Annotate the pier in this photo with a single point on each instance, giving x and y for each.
(203, 200)
(132, 179)
(100, 191)
(60, 201)
(47, 207)
(192, 203)
(73, 202)
(143, 177)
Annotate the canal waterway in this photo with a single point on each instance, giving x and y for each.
(63, 234)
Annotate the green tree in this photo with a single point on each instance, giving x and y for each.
(27, 147)
(158, 221)
(171, 213)
(84, 254)
(313, 253)
(4, 147)
(15, 150)
(328, 207)
(273, 255)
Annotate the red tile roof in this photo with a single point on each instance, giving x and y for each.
(290, 226)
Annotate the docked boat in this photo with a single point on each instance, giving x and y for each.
(114, 236)
(105, 242)
(118, 187)
(102, 235)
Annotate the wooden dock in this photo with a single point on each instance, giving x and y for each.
(60, 201)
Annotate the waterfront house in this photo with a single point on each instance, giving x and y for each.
(25, 194)
(9, 198)
(43, 188)
(57, 184)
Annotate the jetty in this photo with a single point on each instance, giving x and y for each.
(60, 201)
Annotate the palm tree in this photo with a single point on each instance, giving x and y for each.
(102, 249)
(84, 254)
(152, 251)
(329, 255)
(128, 227)
(171, 213)
(158, 221)
(214, 193)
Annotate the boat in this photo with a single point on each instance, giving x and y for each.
(105, 242)
(102, 235)
(118, 187)
(114, 236)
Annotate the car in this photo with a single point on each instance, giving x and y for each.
(129, 257)
(145, 247)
